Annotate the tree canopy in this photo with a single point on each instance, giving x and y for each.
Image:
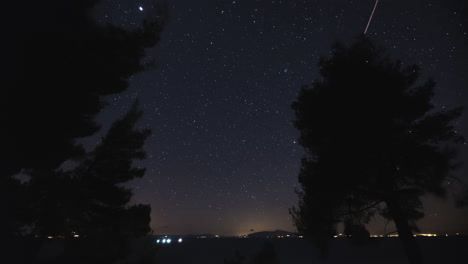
(60, 64)
(374, 143)
(93, 200)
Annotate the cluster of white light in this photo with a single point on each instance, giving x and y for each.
(166, 241)
(163, 241)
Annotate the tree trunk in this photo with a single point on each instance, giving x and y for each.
(411, 247)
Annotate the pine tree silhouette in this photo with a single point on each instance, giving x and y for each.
(374, 144)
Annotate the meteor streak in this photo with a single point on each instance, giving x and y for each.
(372, 15)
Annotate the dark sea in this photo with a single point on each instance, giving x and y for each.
(443, 250)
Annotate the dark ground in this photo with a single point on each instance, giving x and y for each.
(445, 250)
(436, 250)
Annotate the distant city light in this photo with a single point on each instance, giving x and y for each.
(164, 241)
(425, 235)
(157, 241)
(141, 8)
(339, 235)
(168, 240)
(180, 240)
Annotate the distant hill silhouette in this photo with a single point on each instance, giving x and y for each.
(190, 236)
(271, 234)
(262, 234)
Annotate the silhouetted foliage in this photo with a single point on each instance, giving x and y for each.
(60, 66)
(90, 201)
(374, 144)
(357, 232)
(62, 63)
(462, 197)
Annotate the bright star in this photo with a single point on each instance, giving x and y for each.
(141, 8)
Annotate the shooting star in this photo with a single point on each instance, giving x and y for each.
(372, 15)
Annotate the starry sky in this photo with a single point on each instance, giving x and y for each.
(223, 156)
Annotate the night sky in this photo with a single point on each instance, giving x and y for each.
(223, 156)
